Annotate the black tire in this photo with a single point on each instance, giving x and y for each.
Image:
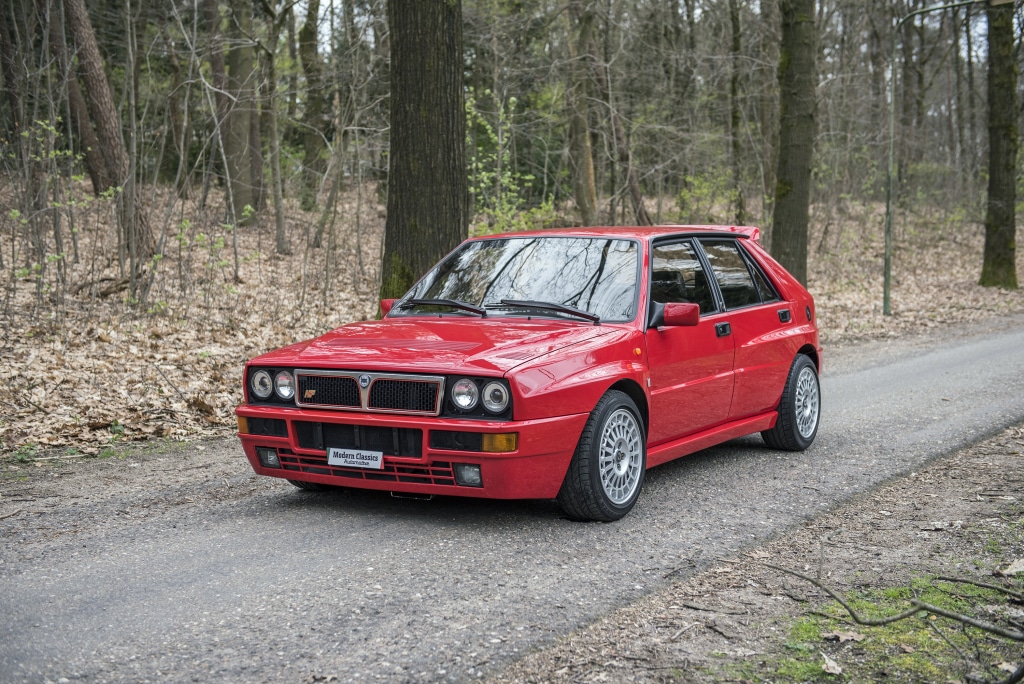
(613, 437)
(311, 486)
(799, 408)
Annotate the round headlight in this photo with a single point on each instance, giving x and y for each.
(465, 394)
(284, 385)
(495, 397)
(261, 384)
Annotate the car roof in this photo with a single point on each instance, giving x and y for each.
(637, 232)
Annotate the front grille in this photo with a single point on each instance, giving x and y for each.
(327, 390)
(404, 395)
(392, 441)
(436, 473)
(371, 392)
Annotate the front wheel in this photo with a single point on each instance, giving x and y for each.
(607, 470)
(799, 409)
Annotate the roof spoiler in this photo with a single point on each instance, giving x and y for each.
(751, 232)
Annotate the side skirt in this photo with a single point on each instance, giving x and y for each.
(662, 453)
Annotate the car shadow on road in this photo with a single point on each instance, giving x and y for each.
(440, 509)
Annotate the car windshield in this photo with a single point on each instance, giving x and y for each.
(592, 274)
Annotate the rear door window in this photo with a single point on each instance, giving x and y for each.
(739, 280)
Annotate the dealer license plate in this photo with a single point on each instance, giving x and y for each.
(355, 458)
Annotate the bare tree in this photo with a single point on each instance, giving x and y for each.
(315, 113)
(580, 22)
(237, 127)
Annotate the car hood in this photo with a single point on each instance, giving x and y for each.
(442, 345)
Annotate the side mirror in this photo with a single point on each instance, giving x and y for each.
(681, 313)
(385, 306)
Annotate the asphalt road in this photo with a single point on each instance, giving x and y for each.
(282, 585)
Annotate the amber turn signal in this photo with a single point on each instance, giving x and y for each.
(243, 425)
(500, 441)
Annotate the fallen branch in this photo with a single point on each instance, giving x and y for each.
(983, 585)
(173, 386)
(11, 515)
(919, 607)
(1011, 634)
(853, 614)
(61, 457)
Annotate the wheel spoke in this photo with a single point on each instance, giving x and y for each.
(620, 456)
(807, 402)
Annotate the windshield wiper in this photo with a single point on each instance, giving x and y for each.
(552, 306)
(454, 303)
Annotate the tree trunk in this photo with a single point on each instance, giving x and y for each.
(11, 69)
(769, 105)
(85, 138)
(797, 106)
(293, 55)
(314, 119)
(972, 117)
(734, 113)
(580, 153)
(100, 100)
(219, 79)
(619, 136)
(105, 119)
(428, 193)
(270, 112)
(1000, 264)
(238, 126)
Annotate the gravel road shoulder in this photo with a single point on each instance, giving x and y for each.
(961, 516)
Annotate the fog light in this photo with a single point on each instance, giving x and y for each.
(500, 441)
(468, 475)
(268, 457)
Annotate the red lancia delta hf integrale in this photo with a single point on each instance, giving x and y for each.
(552, 364)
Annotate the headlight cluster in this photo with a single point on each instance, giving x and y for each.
(282, 383)
(467, 394)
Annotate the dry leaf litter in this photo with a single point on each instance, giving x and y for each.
(84, 370)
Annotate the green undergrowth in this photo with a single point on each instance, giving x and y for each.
(921, 648)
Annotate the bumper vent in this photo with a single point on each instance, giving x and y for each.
(392, 441)
(436, 473)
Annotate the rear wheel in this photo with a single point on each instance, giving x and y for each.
(607, 471)
(799, 409)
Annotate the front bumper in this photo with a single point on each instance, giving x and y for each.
(535, 470)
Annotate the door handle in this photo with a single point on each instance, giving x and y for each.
(784, 316)
(723, 329)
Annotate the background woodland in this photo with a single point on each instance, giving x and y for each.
(186, 184)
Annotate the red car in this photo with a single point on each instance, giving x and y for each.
(552, 364)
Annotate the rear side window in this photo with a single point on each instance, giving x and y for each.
(764, 288)
(740, 281)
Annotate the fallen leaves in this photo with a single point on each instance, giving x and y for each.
(843, 637)
(830, 666)
(1014, 568)
(172, 368)
(98, 371)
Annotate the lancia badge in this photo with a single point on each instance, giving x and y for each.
(364, 380)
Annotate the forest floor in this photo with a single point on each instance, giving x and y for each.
(745, 621)
(84, 375)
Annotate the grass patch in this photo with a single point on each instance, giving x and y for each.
(922, 648)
